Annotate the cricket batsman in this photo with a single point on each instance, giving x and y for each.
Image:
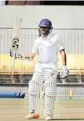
(46, 46)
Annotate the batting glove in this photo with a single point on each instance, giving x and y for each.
(64, 72)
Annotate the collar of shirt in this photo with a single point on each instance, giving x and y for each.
(47, 38)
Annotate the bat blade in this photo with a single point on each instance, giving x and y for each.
(16, 34)
(17, 26)
(15, 39)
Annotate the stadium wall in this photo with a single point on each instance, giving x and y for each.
(61, 16)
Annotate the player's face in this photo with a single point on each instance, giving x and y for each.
(44, 31)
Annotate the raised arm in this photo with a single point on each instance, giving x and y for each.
(29, 55)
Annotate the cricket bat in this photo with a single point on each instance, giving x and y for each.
(15, 41)
(15, 38)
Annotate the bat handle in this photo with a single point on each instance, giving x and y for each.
(13, 60)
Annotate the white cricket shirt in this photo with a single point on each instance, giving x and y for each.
(47, 49)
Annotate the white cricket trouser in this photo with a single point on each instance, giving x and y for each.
(48, 76)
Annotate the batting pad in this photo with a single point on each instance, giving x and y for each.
(8, 94)
(50, 88)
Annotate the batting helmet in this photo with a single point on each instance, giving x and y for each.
(45, 23)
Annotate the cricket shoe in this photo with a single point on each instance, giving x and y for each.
(32, 116)
(48, 117)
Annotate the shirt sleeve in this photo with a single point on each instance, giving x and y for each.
(59, 43)
(35, 48)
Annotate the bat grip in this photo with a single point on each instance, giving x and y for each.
(13, 61)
